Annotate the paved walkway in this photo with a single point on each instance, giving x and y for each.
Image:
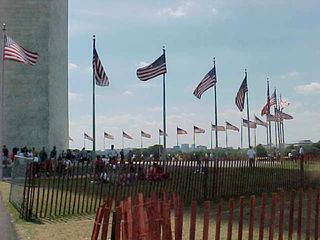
(7, 231)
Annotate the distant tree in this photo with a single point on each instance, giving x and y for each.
(261, 151)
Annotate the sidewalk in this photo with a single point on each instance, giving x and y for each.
(7, 230)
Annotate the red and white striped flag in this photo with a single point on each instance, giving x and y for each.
(109, 136)
(86, 136)
(219, 128)
(70, 139)
(144, 134)
(126, 135)
(231, 127)
(284, 103)
(260, 122)
(99, 74)
(198, 130)
(161, 133)
(249, 124)
(181, 131)
(270, 102)
(207, 82)
(13, 51)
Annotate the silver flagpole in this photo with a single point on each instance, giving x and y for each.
(93, 107)
(2, 103)
(177, 138)
(248, 115)
(211, 136)
(122, 140)
(226, 138)
(141, 142)
(164, 112)
(241, 135)
(215, 103)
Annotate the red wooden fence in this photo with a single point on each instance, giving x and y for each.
(274, 216)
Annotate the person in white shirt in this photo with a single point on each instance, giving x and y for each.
(251, 155)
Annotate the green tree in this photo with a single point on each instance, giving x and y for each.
(261, 151)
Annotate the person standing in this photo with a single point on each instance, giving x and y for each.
(251, 156)
(43, 156)
(5, 155)
(113, 155)
(53, 158)
(301, 153)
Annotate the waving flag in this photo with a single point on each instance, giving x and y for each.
(70, 139)
(283, 116)
(144, 134)
(249, 124)
(109, 136)
(161, 133)
(241, 94)
(207, 82)
(181, 131)
(260, 122)
(198, 130)
(284, 103)
(231, 127)
(12, 51)
(270, 102)
(86, 136)
(126, 135)
(273, 118)
(153, 70)
(219, 128)
(99, 74)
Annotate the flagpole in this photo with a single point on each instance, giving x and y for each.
(215, 103)
(226, 138)
(177, 137)
(194, 138)
(255, 136)
(84, 141)
(93, 107)
(211, 136)
(268, 114)
(164, 111)
(2, 101)
(104, 142)
(141, 142)
(249, 143)
(122, 141)
(241, 134)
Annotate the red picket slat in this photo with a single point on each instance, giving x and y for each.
(272, 216)
(206, 218)
(251, 216)
(299, 227)
(262, 215)
(218, 220)
(308, 220)
(291, 215)
(193, 220)
(230, 219)
(281, 214)
(240, 218)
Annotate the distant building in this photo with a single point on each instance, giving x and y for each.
(202, 148)
(185, 147)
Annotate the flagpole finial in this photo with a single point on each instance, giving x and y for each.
(214, 61)
(94, 37)
(163, 48)
(3, 27)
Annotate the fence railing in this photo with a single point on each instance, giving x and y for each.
(284, 215)
(79, 188)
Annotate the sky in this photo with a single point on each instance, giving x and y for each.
(275, 39)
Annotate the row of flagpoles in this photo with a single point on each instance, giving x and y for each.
(13, 51)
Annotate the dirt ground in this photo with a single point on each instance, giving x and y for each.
(62, 229)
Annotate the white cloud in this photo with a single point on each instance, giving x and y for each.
(290, 74)
(127, 93)
(143, 64)
(176, 12)
(313, 87)
(72, 66)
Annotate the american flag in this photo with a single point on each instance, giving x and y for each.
(207, 82)
(181, 131)
(144, 134)
(219, 128)
(70, 139)
(126, 135)
(153, 70)
(271, 100)
(283, 116)
(284, 103)
(273, 118)
(260, 122)
(198, 130)
(109, 136)
(161, 133)
(86, 136)
(231, 127)
(239, 100)
(249, 124)
(12, 51)
(99, 74)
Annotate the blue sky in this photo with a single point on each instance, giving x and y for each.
(279, 40)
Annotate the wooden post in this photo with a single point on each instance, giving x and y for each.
(230, 219)
(291, 215)
(308, 220)
(251, 216)
(262, 215)
(272, 215)
(281, 214)
(206, 218)
(299, 214)
(193, 217)
(316, 215)
(240, 219)
(218, 220)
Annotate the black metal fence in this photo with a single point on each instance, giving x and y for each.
(79, 188)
